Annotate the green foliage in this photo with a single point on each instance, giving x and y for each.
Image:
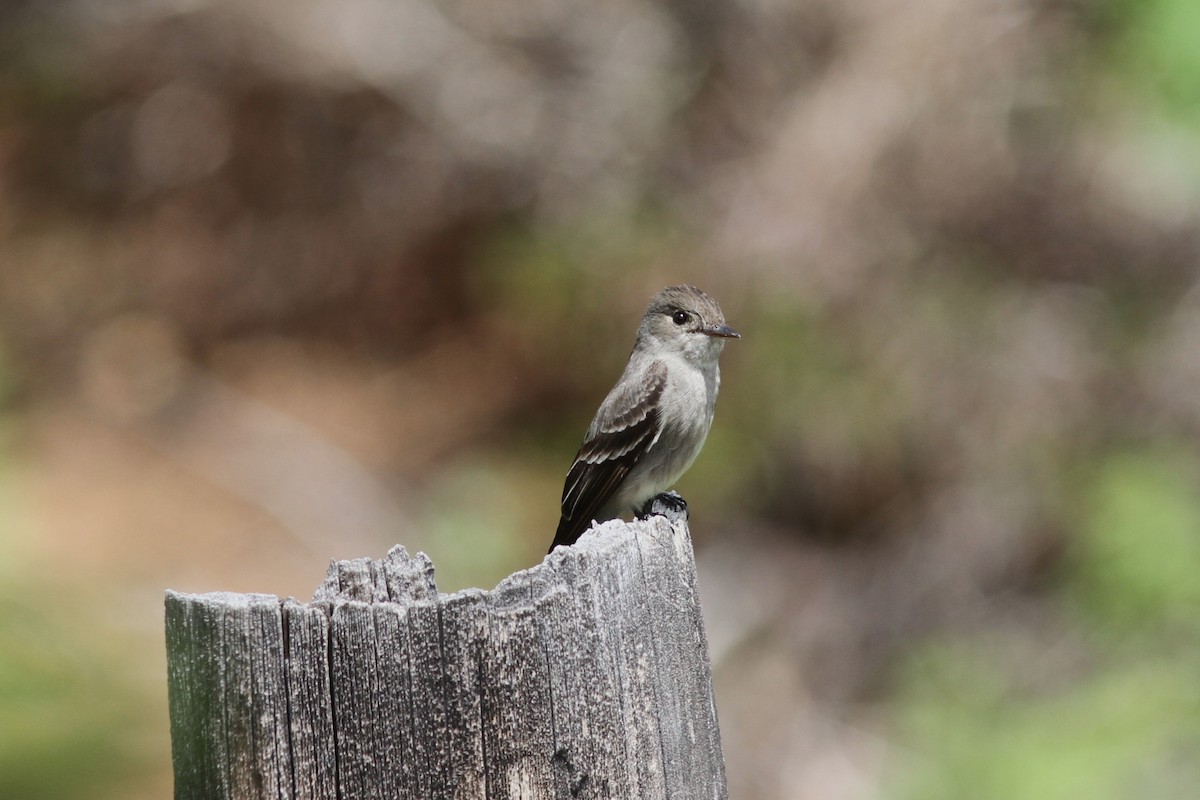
(1139, 556)
(1149, 75)
(476, 525)
(976, 731)
(66, 705)
(1158, 47)
(1117, 722)
(69, 705)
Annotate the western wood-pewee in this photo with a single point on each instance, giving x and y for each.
(653, 423)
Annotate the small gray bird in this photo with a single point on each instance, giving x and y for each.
(653, 423)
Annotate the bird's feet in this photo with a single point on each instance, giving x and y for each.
(666, 504)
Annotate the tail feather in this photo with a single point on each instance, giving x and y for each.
(569, 531)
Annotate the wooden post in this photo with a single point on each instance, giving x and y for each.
(586, 676)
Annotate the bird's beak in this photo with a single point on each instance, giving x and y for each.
(722, 332)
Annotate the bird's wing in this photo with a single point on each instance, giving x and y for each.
(626, 426)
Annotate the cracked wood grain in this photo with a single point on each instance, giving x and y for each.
(586, 676)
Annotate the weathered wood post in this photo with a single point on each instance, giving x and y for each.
(586, 676)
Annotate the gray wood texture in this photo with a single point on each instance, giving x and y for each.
(586, 676)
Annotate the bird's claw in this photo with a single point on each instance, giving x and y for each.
(666, 504)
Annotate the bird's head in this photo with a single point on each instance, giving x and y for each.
(687, 321)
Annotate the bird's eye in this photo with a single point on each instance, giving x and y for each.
(679, 317)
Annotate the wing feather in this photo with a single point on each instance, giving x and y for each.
(625, 428)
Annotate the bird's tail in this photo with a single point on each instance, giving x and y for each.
(569, 531)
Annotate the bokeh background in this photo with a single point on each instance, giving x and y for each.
(286, 282)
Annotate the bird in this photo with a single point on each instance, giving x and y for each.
(652, 424)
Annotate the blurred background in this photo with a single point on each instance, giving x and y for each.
(283, 284)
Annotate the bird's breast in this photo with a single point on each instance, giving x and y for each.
(686, 409)
(687, 405)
